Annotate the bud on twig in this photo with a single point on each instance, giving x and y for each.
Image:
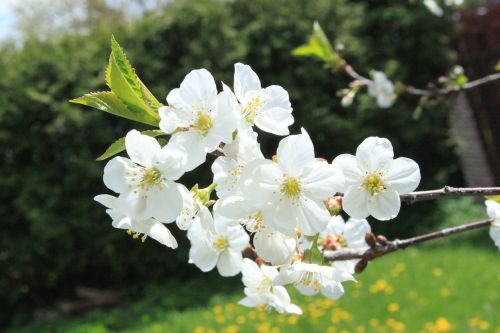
(370, 239)
(382, 240)
(334, 205)
(360, 266)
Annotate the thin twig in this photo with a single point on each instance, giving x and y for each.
(450, 192)
(379, 249)
(349, 70)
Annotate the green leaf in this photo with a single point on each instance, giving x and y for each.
(319, 46)
(314, 255)
(119, 145)
(123, 81)
(107, 101)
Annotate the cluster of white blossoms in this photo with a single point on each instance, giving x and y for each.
(270, 221)
(493, 210)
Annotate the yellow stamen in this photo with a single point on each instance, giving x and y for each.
(252, 109)
(203, 122)
(290, 187)
(221, 243)
(373, 183)
(151, 176)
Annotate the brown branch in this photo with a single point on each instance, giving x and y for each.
(382, 248)
(349, 70)
(450, 192)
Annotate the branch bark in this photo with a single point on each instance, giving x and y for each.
(450, 192)
(349, 70)
(381, 249)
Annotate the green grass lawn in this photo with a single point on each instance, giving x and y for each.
(450, 288)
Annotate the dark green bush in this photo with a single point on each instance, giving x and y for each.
(56, 237)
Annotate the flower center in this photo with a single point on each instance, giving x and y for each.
(203, 123)
(290, 187)
(252, 109)
(264, 285)
(373, 184)
(255, 222)
(150, 177)
(310, 280)
(221, 243)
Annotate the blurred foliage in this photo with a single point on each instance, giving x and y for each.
(57, 237)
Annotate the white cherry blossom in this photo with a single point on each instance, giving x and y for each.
(198, 118)
(311, 279)
(261, 290)
(374, 180)
(290, 191)
(217, 243)
(493, 210)
(148, 227)
(227, 169)
(350, 234)
(268, 108)
(382, 89)
(270, 245)
(145, 182)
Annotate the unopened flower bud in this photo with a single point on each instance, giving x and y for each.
(334, 205)
(360, 266)
(370, 239)
(382, 240)
(347, 100)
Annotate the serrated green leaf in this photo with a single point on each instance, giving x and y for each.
(319, 46)
(119, 145)
(123, 81)
(107, 101)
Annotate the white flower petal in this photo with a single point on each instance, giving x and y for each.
(294, 153)
(385, 205)
(276, 115)
(495, 233)
(238, 238)
(164, 203)
(155, 230)
(273, 246)
(115, 174)
(245, 81)
(229, 263)
(351, 168)
(402, 175)
(203, 256)
(321, 180)
(198, 89)
(107, 200)
(190, 142)
(493, 209)
(142, 149)
(260, 180)
(312, 217)
(374, 153)
(355, 201)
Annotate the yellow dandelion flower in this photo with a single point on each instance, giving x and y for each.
(393, 307)
(220, 319)
(275, 330)
(331, 330)
(445, 292)
(484, 325)
(217, 309)
(437, 272)
(252, 315)
(373, 322)
(442, 325)
(241, 319)
(231, 329)
(293, 320)
(199, 329)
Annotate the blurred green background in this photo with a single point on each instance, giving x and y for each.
(56, 238)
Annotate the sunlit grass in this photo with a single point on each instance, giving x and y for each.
(427, 290)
